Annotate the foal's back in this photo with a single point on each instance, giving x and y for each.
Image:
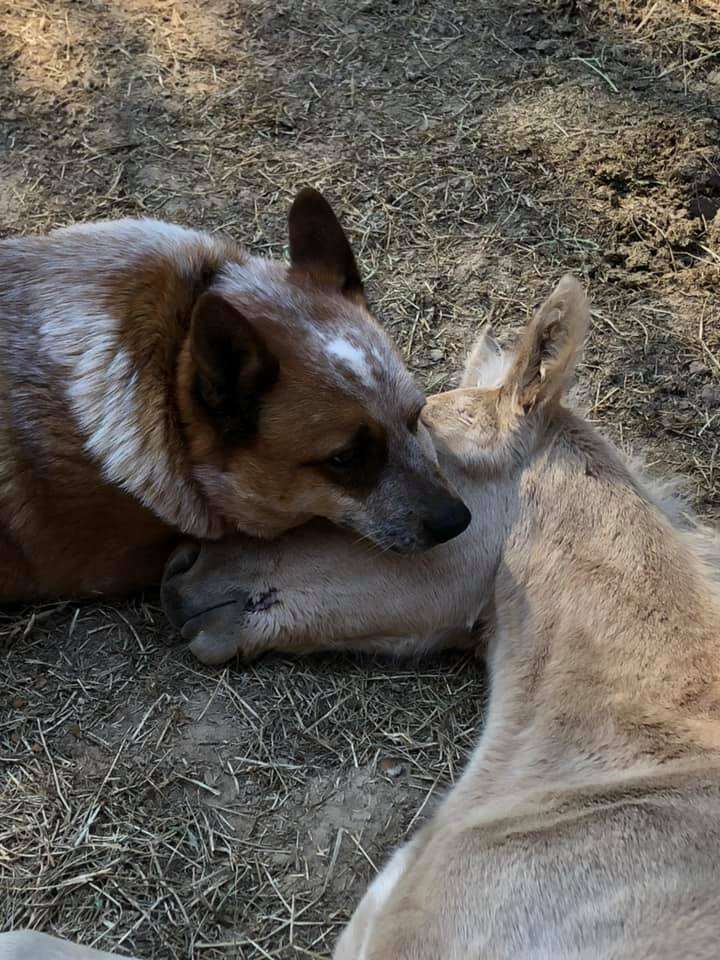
(625, 869)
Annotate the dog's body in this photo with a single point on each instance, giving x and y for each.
(587, 823)
(93, 480)
(157, 381)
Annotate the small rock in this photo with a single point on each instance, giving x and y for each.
(279, 858)
(437, 355)
(697, 366)
(703, 207)
(711, 395)
(391, 767)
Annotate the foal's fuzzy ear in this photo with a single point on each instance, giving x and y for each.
(548, 351)
(487, 364)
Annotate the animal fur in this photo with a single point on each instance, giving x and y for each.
(156, 381)
(587, 821)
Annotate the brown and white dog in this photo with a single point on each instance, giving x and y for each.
(156, 380)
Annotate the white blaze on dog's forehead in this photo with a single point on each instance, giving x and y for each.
(350, 343)
(350, 355)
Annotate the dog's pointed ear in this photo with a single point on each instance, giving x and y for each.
(233, 364)
(548, 351)
(319, 247)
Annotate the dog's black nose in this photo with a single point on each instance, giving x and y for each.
(447, 522)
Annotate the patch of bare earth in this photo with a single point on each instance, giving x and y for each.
(476, 150)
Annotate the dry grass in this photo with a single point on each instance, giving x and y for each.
(154, 803)
(476, 152)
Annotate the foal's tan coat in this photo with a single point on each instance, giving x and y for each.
(587, 823)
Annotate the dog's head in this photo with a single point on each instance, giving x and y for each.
(296, 405)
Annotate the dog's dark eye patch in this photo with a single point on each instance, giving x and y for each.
(356, 466)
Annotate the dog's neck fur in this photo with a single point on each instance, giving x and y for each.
(115, 346)
(606, 654)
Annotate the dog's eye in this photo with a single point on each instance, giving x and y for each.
(343, 459)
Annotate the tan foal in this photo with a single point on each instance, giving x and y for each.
(587, 823)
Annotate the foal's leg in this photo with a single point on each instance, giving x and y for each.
(31, 945)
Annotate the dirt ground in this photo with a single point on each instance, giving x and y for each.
(476, 150)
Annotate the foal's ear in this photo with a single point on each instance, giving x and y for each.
(548, 351)
(487, 364)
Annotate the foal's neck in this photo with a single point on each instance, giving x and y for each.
(609, 624)
(607, 650)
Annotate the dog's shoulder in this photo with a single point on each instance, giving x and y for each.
(91, 318)
(106, 253)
